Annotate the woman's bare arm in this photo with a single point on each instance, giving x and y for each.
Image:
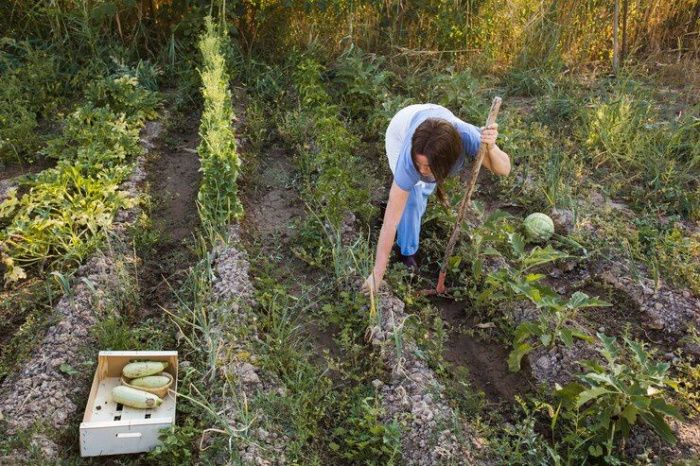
(394, 209)
(495, 159)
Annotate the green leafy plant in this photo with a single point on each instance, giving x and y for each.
(95, 138)
(177, 444)
(611, 398)
(69, 208)
(552, 326)
(124, 94)
(333, 183)
(362, 82)
(521, 444)
(518, 282)
(364, 439)
(17, 125)
(220, 164)
(460, 92)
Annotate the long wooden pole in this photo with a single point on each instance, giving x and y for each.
(466, 203)
(616, 47)
(623, 48)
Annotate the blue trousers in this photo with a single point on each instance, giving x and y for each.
(408, 231)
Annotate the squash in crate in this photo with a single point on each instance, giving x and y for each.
(110, 427)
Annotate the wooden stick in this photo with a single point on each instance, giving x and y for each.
(616, 47)
(470, 185)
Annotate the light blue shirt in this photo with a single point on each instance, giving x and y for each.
(406, 176)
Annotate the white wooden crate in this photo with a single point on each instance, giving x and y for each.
(111, 429)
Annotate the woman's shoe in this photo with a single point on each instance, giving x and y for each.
(410, 262)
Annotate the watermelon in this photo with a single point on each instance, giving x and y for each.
(538, 227)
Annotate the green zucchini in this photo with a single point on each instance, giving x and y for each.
(134, 370)
(135, 398)
(151, 381)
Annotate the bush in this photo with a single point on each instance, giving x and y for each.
(32, 89)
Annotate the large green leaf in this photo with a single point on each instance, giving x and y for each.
(609, 351)
(605, 378)
(657, 422)
(665, 408)
(638, 350)
(527, 290)
(546, 339)
(515, 357)
(590, 394)
(490, 251)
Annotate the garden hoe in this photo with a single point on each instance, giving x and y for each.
(466, 203)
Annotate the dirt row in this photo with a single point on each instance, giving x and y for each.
(414, 396)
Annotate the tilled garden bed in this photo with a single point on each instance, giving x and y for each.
(231, 303)
(413, 396)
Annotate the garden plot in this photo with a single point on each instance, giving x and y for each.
(664, 318)
(245, 256)
(648, 311)
(102, 283)
(114, 302)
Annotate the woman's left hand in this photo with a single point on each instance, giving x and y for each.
(489, 134)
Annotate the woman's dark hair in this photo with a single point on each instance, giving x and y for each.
(439, 141)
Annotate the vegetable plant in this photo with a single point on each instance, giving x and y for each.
(518, 282)
(68, 209)
(552, 323)
(218, 193)
(609, 399)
